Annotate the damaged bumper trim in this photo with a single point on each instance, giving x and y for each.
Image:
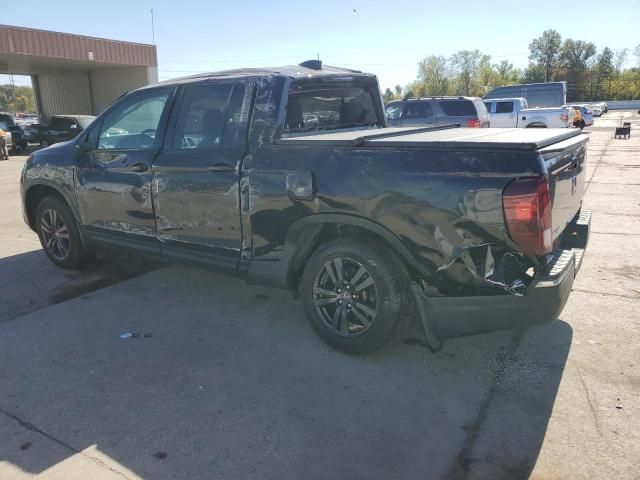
(541, 302)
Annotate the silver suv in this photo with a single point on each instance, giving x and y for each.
(466, 111)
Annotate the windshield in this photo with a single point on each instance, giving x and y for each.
(6, 121)
(394, 111)
(85, 121)
(329, 107)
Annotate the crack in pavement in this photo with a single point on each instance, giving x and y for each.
(461, 466)
(592, 408)
(33, 428)
(595, 169)
(637, 297)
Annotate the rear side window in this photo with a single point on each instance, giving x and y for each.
(201, 116)
(313, 106)
(418, 110)
(488, 106)
(458, 108)
(504, 107)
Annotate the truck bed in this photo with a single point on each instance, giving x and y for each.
(441, 138)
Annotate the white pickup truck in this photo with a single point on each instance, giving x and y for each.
(514, 113)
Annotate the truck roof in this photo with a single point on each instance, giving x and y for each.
(308, 69)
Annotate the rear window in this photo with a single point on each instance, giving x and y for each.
(458, 108)
(328, 107)
(504, 107)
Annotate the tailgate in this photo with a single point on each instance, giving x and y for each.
(566, 164)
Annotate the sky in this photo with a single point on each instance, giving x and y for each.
(385, 38)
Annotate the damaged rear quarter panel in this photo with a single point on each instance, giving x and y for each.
(438, 203)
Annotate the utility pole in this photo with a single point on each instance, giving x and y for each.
(153, 30)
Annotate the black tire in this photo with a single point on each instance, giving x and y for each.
(65, 250)
(387, 296)
(582, 125)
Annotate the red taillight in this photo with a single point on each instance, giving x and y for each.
(474, 123)
(527, 209)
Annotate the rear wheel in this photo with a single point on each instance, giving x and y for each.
(58, 233)
(354, 294)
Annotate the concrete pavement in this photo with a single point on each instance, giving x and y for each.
(232, 383)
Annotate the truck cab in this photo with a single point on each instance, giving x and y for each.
(515, 113)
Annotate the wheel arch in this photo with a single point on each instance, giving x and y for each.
(536, 124)
(306, 234)
(36, 192)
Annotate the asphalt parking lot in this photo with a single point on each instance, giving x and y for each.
(232, 383)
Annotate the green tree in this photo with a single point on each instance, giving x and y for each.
(534, 73)
(388, 95)
(545, 51)
(506, 73)
(576, 57)
(466, 64)
(398, 90)
(433, 73)
(17, 99)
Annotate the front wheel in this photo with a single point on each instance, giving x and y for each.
(58, 233)
(354, 294)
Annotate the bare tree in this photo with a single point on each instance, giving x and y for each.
(619, 59)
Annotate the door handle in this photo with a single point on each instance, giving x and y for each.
(221, 168)
(139, 167)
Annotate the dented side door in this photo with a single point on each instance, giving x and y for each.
(195, 177)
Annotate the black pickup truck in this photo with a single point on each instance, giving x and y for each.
(290, 177)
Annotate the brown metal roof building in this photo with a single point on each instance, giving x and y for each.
(74, 74)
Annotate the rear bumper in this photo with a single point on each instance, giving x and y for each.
(542, 301)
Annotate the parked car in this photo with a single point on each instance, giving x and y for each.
(363, 222)
(514, 113)
(60, 128)
(467, 111)
(17, 141)
(550, 94)
(586, 117)
(596, 110)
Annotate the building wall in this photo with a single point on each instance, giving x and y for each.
(88, 93)
(64, 93)
(109, 84)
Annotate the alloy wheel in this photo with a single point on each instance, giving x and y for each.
(345, 296)
(55, 234)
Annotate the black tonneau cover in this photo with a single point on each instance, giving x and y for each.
(441, 137)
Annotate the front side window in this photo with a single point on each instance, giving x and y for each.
(133, 124)
(504, 107)
(328, 107)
